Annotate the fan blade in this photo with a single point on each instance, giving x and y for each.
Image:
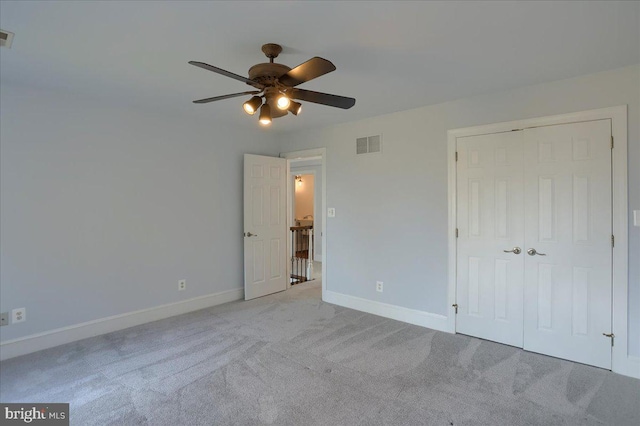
(323, 98)
(226, 73)
(313, 68)
(219, 98)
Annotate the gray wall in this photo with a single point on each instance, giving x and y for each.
(391, 209)
(104, 209)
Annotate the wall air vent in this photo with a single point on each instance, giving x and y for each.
(369, 144)
(6, 38)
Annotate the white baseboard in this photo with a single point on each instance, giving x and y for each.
(72, 333)
(629, 366)
(411, 316)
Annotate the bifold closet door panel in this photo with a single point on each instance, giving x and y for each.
(490, 221)
(567, 216)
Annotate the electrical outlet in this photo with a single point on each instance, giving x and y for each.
(182, 285)
(4, 319)
(379, 285)
(18, 315)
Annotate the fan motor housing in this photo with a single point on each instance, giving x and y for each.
(267, 73)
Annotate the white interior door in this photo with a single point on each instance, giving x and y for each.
(265, 228)
(490, 221)
(568, 219)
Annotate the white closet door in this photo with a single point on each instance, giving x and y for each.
(490, 220)
(567, 201)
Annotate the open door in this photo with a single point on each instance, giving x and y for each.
(265, 227)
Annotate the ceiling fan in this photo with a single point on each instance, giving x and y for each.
(276, 84)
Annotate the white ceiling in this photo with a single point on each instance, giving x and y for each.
(390, 56)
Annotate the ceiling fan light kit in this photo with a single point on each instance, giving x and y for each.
(276, 86)
(295, 107)
(252, 105)
(265, 115)
(283, 102)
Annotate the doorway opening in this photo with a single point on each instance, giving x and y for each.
(306, 198)
(302, 224)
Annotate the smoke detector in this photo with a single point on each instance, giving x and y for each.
(6, 38)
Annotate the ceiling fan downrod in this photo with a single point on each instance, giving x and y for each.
(271, 51)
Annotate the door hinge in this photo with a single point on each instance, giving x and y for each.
(456, 232)
(456, 155)
(611, 335)
(613, 241)
(455, 305)
(611, 141)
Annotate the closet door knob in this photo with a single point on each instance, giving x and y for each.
(533, 252)
(515, 250)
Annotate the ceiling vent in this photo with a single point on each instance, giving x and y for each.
(369, 144)
(5, 38)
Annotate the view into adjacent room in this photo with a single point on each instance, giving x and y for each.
(306, 252)
(302, 235)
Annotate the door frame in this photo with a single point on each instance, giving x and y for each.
(621, 362)
(309, 154)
